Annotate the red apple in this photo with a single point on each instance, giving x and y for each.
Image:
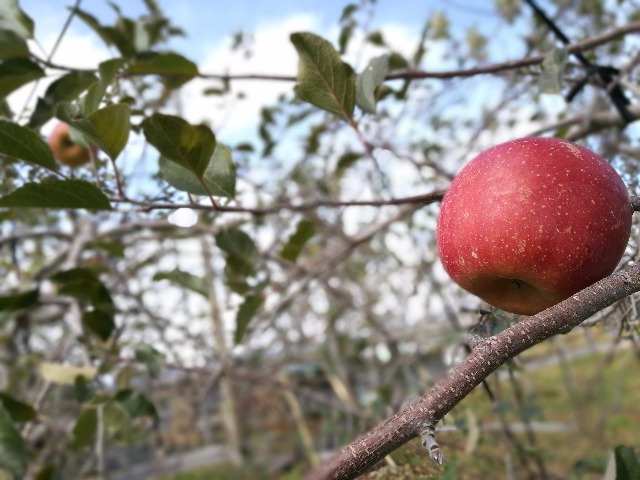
(65, 150)
(530, 222)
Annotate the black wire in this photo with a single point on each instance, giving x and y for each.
(607, 74)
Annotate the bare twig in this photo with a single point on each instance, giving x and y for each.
(587, 44)
(425, 199)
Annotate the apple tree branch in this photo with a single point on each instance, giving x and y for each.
(420, 417)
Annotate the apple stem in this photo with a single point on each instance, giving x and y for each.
(428, 439)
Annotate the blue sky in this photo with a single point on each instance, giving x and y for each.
(210, 25)
(209, 22)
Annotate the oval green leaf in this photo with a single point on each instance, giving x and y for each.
(190, 146)
(245, 314)
(13, 451)
(108, 69)
(57, 194)
(12, 18)
(65, 89)
(100, 323)
(553, 71)
(185, 279)
(175, 69)
(219, 175)
(304, 232)
(150, 357)
(12, 46)
(108, 127)
(369, 80)
(19, 301)
(324, 80)
(19, 411)
(16, 72)
(84, 429)
(25, 144)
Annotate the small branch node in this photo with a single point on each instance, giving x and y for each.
(428, 440)
(475, 340)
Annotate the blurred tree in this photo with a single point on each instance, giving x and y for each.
(281, 294)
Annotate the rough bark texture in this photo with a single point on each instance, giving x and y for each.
(487, 356)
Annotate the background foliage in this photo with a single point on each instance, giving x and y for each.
(263, 301)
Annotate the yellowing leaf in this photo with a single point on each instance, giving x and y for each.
(65, 374)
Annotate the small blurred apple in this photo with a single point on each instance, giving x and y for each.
(530, 222)
(65, 150)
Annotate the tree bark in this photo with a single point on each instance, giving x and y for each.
(487, 355)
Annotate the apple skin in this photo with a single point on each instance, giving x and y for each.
(528, 223)
(65, 151)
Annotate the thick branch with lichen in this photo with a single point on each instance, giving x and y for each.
(487, 356)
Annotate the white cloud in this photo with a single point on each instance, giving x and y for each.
(272, 53)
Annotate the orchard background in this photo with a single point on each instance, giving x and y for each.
(245, 278)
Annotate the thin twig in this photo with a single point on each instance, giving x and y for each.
(587, 44)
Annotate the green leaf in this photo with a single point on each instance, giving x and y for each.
(186, 280)
(345, 35)
(438, 25)
(16, 72)
(246, 312)
(14, 456)
(219, 175)
(241, 255)
(376, 38)
(12, 46)
(121, 35)
(75, 275)
(397, 62)
(84, 429)
(136, 404)
(82, 389)
(65, 89)
(627, 463)
(117, 421)
(14, 19)
(95, 93)
(108, 127)
(345, 161)
(234, 241)
(190, 146)
(19, 411)
(150, 357)
(553, 71)
(57, 194)
(25, 144)
(348, 11)
(19, 301)
(48, 472)
(175, 69)
(113, 247)
(94, 294)
(100, 323)
(293, 247)
(324, 80)
(369, 80)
